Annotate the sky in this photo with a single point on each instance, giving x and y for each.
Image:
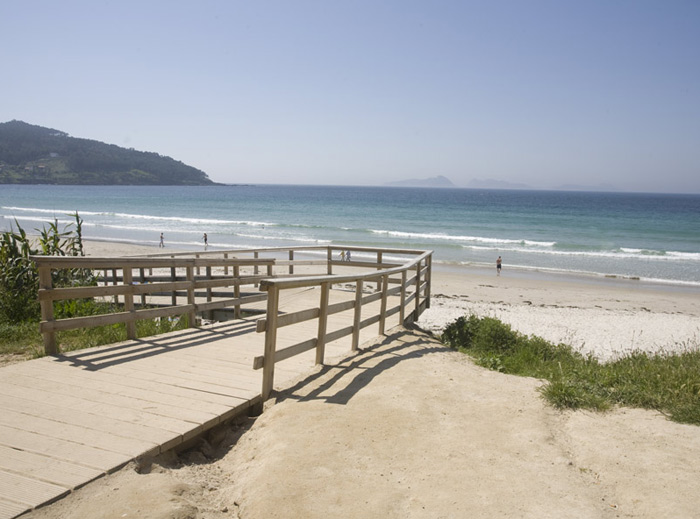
(352, 92)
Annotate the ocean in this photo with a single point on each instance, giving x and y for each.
(651, 237)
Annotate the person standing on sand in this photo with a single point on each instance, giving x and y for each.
(498, 266)
(161, 244)
(205, 241)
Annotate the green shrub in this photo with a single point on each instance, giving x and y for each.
(667, 383)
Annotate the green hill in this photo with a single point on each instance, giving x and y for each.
(32, 154)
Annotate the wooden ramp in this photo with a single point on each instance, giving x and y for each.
(67, 420)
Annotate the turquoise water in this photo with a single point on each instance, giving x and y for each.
(649, 236)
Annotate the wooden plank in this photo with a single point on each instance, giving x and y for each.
(61, 449)
(110, 290)
(369, 321)
(338, 334)
(50, 346)
(289, 319)
(64, 262)
(86, 420)
(343, 306)
(174, 425)
(270, 342)
(130, 447)
(215, 305)
(10, 509)
(43, 468)
(366, 300)
(357, 317)
(115, 318)
(61, 390)
(322, 323)
(86, 380)
(28, 491)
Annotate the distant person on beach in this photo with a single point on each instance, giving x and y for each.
(161, 245)
(205, 241)
(498, 266)
(347, 256)
(342, 255)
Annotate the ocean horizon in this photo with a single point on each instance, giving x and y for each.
(646, 236)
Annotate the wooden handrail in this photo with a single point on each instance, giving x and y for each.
(409, 281)
(421, 264)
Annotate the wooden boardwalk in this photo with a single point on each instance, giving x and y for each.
(67, 420)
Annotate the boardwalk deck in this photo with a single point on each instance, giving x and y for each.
(67, 420)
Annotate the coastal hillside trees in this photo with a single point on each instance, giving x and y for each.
(31, 154)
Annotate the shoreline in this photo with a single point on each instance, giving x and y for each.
(532, 273)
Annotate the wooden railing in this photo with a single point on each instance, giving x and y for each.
(163, 279)
(411, 292)
(179, 284)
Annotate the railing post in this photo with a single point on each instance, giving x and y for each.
(256, 255)
(225, 266)
(142, 280)
(173, 278)
(402, 312)
(379, 267)
(382, 311)
(270, 341)
(357, 318)
(50, 347)
(291, 259)
(237, 291)
(416, 313)
(114, 282)
(428, 279)
(208, 277)
(330, 261)
(322, 322)
(129, 302)
(192, 314)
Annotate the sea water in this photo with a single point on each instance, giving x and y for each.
(652, 237)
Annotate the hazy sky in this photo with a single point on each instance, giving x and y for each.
(543, 93)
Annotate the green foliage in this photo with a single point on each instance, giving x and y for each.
(19, 279)
(667, 383)
(36, 155)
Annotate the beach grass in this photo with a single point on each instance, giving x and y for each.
(665, 382)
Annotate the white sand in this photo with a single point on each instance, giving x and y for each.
(408, 429)
(601, 317)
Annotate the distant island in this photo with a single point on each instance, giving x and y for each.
(490, 183)
(32, 154)
(438, 181)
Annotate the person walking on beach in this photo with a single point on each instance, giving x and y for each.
(342, 255)
(347, 256)
(161, 244)
(498, 266)
(205, 241)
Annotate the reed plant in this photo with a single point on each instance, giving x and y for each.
(19, 284)
(666, 382)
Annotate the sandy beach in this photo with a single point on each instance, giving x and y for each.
(407, 428)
